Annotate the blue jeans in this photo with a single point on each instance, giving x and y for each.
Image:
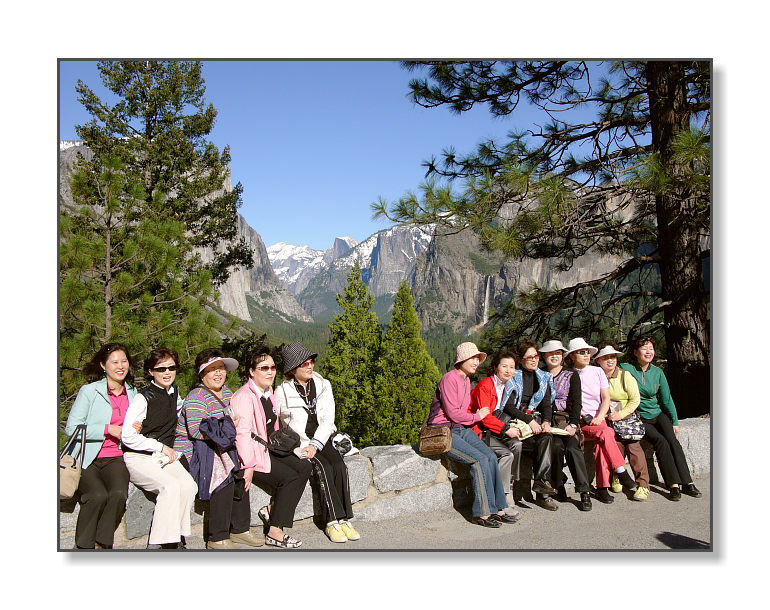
(488, 491)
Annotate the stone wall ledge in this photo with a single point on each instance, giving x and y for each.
(390, 481)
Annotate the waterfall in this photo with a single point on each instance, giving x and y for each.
(485, 317)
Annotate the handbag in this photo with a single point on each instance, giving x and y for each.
(434, 440)
(631, 427)
(70, 467)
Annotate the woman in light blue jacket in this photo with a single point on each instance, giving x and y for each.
(101, 405)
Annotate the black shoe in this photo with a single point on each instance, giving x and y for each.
(603, 495)
(547, 503)
(690, 490)
(544, 488)
(503, 518)
(488, 522)
(561, 494)
(626, 481)
(585, 502)
(675, 494)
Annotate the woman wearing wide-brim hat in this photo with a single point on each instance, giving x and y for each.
(624, 396)
(595, 396)
(205, 436)
(450, 407)
(306, 403)
(567, 405)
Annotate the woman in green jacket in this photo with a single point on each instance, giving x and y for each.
(657, 410)
(101, 405)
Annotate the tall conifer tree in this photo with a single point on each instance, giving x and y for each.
(349, 363)
(148, 194)
(406, 378)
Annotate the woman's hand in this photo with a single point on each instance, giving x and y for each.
(137, 426)
(483, 412)
(172, 455)
(676, 429)
(248, 473)
(614, 417)
(571, 430)
(309, 452)
(596, 421)
(236, 419)
(546, 428)
(114, 430)
(536, 428)
(513, 432)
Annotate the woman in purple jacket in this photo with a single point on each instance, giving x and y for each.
(451, 408)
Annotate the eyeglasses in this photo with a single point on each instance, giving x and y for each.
(582, 352)
(266, 368)
(307, 364)
(535, 357)
(163, 369)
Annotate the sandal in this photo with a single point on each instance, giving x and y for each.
(503, 518)
(287, 543)
(264, 515)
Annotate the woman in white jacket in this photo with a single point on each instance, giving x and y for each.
(306, 404)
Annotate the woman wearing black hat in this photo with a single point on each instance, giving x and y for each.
(306, 403)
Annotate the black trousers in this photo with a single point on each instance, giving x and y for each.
(659, 431)
(540, 447)
(228, 515)
(103, 494)
(331, 479)
(568, 447)
(287, 479)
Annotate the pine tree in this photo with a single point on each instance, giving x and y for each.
(350, 358)
(148, 194)
(618, 164)
(405, 379)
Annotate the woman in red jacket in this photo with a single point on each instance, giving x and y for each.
(496, 433)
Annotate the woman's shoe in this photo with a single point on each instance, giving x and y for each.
(603, 495)
(503, 518)
(615, 485)
(585, 501)
(287, 543)
(675, 494)
(486, 522)
(641, 494)
(247, 538)
(547, 504)
(220, 545)
(349, 531)
(264, 515)
(544, 488)
(690, 490)
(335, 534)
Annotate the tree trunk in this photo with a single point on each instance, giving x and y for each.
(686, 320)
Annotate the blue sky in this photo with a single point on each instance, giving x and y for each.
(315, 142)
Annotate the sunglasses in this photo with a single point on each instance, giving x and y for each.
(163, 369)
(583, 352)
(265, 368)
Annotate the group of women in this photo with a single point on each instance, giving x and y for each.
(552, 412)
(214, 443)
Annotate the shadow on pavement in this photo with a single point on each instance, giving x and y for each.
(677, 541)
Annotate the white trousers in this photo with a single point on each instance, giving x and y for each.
(176, 491)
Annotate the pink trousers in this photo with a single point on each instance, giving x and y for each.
(606, 453)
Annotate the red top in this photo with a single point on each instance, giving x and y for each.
(111, 444)
(485, 395)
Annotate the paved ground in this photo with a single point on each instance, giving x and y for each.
(657, 524)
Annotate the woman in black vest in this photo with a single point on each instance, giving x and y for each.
(150, 458)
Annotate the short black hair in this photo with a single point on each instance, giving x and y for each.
(93, 370)
(155, 356)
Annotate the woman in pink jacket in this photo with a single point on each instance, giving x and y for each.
(286, 476)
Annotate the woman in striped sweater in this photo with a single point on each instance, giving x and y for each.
(205, 436)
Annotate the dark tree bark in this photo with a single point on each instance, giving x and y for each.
(681, 267)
